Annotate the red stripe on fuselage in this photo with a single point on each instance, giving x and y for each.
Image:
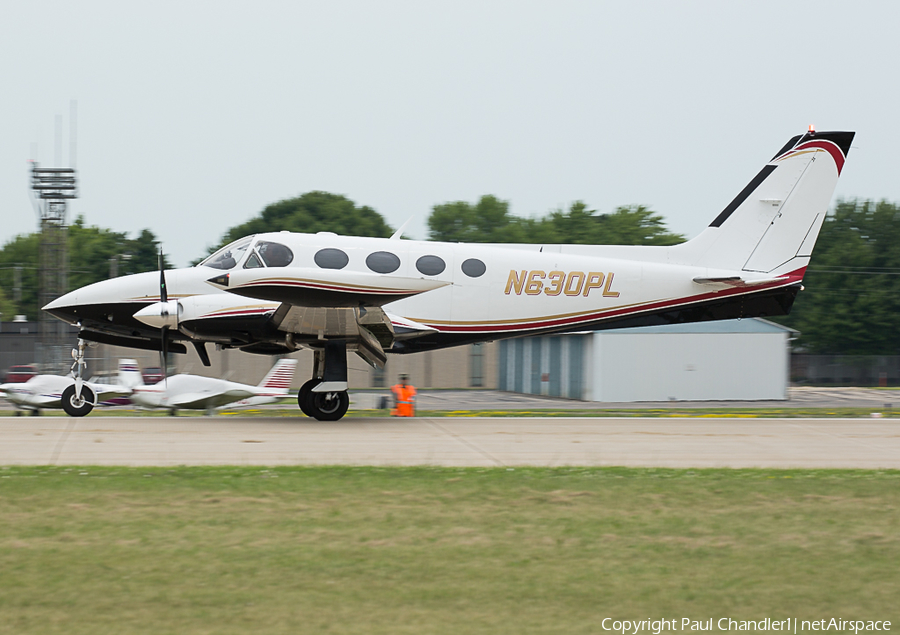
(788, 279)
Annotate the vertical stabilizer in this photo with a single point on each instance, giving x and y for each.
(771, 226)
(281, 376)
(129, 373)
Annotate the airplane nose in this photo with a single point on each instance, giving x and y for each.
(64, 307)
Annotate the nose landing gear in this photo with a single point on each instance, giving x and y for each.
(78, 399)
(77, 405)
(324, 397)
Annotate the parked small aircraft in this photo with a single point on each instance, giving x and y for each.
(207, 393)
(55, 391)
(278, 292)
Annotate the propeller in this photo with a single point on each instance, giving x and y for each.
(164, 313)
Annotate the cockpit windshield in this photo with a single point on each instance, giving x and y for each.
(229, 255)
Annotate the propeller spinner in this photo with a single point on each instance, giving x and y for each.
(162, 315)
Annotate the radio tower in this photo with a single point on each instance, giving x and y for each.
(53, 187)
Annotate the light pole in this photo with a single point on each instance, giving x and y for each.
(53, 188)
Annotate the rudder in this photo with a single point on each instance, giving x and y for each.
(772, 224)
(280, 376)
(130, 373)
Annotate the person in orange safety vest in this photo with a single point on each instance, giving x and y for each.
(404, 398)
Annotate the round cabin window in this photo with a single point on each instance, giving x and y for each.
(383, 262)
(330, 258)
(430, 265)
(473, 268)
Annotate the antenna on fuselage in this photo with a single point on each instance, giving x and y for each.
(397, 234)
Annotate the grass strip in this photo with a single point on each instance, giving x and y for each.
(438, 550)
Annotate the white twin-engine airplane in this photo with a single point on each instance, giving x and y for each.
(185, 391)
(58, 391)
(278, 292)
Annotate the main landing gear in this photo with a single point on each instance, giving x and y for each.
(324, 397)
(78, 399)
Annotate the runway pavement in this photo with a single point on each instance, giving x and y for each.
(798, 397)
(673, 442)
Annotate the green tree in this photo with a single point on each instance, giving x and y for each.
(310, 213)
(852, 286)
(8, 308)
(489, 220)
(21, 252)
(144, 253)
(90, 251)
(627, 225)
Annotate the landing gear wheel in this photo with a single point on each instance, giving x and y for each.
(77, 406)
(328, 406)
(303, 396)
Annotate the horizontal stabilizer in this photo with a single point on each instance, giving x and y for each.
(738, 281)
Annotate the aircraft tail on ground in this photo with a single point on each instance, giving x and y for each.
(129, 373)
(772, 225)
(281, 375)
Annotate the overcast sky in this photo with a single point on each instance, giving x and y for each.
(192, 117)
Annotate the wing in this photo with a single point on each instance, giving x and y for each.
(405, 328)
(303, 286)
(332, 303)
(105, 392)
(204, 400)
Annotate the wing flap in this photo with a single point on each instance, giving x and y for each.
(204, 400)
(104, 392)
(406, 329)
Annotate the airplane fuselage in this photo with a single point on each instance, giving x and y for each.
(519, 290)
(278, 292)
(41, 391)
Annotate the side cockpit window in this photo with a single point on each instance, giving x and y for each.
(253, 261)
(274, 254)
(228, 256)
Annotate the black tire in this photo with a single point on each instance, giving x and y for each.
(328, 406)
(75, 407)
(303, 395)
